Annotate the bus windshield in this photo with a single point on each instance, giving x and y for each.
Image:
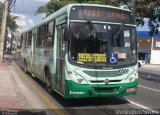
(90, 47)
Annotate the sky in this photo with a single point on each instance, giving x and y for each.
(25, 10)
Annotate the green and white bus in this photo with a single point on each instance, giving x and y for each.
(84, 50)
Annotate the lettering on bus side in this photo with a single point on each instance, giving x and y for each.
(77, 93)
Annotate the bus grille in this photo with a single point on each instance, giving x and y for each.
(102, 73)
(106, 90)
(102, 81)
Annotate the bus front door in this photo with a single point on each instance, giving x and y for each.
(59, 80)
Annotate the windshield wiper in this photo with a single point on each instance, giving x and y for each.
(91, 26)
(99, 37)
(93, 29)
(118, 32)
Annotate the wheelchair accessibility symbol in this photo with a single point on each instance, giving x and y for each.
(113, 58)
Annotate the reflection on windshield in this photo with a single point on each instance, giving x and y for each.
(84, 31)
(88, 46)
(84, 40)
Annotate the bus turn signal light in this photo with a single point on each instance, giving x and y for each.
(131, 89)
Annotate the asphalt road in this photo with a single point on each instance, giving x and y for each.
(147, 97)
(148, 94)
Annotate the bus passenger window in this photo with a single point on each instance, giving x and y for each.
(51, 27)
(23, 40)
(29, 39)
(50, 35)
(41, 36)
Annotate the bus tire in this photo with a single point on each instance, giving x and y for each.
(48, 81)
(25, 67)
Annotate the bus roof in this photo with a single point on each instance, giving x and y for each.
(64, 10)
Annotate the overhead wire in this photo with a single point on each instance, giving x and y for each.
(12, 4)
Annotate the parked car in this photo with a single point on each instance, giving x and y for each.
(141, 62)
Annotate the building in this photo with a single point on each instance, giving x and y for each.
(149, 47)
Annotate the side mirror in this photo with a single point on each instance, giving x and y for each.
(67, 34)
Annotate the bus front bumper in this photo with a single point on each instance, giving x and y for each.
(74, 90)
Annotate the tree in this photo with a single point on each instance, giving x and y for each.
(55, 5)
(141, 8)
(1, 13)
(11, 23)
(145, 9)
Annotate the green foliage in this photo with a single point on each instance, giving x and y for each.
(11, 23)
(146, 9)
(141, 8)
(55, 5)
(52, 6)
(1, 13)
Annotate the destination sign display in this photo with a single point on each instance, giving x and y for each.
(101, 14)
(106, 14)
(88, 57)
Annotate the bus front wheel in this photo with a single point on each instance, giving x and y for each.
(25, 66)
(48, 81)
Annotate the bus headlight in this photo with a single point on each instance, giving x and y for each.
(77, 78)
(132, 77)
(74, 76)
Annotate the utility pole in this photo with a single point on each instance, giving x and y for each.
(3, 30)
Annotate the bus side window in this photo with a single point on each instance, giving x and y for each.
(29, 39)
(50, 35)
(23, 41)
(41, 36)
(26, 41)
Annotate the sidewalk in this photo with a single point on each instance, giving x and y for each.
(151, 67)
(21, 96)
(11, 97)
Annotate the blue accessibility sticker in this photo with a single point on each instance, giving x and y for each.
(113, 58)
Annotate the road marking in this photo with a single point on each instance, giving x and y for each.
(144, 107)
(149, 88)
(137, 104)
(41, 94)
